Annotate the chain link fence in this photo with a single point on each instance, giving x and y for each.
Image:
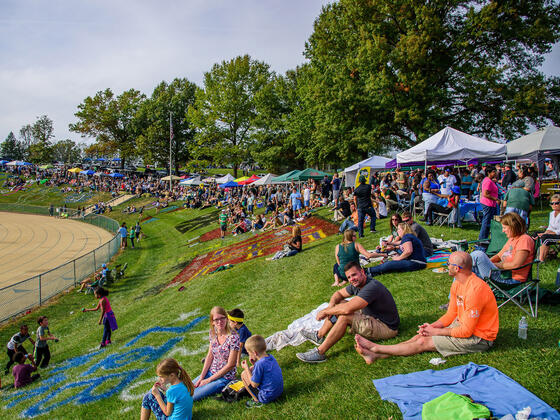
(34, 291)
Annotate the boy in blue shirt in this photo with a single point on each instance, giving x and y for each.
(236, 318)
(263, 380)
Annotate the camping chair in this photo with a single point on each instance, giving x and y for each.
(517, 293)
(493, 245)
(403, 204)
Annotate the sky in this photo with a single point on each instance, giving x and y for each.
(53, 54)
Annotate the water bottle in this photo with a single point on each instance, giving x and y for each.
(522, 330)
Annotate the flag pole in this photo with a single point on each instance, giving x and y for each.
(170, 158)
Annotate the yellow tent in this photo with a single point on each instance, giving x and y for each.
(243, 178)
(75, 170)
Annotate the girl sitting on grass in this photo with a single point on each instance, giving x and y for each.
(177, 401)
(107, 316)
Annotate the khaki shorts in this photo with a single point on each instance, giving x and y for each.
(449, 346)
(370, 327)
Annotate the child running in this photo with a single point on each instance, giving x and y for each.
(107, 316)
(236, 319)
(263, 380)
(42, 351)
(177, 402)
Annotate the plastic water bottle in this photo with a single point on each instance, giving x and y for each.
(522, 330)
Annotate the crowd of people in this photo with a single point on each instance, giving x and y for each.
(365, 306)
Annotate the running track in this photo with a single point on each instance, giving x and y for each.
(31, 244)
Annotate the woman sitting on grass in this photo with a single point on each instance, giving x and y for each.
(388, 243)
(221, 361)
(293, 246)
(411, 254)
(348, 250)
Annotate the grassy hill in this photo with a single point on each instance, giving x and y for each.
(272, 294)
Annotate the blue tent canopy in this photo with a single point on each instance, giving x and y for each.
(88, 172)
(2, 162)
(116, 175)
(116, 159)
(229, 184)
(101, 159)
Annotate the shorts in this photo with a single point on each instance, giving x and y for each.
(449, 346)
(370, 327)
(306, 203)
(296, 206)
(223, 228)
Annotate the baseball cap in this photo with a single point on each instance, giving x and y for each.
(362, 179)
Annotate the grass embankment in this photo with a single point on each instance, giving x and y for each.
(273, 294)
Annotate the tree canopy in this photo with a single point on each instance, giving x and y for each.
(225, 110)
(109, 120)
(152, 120)
(392, 72)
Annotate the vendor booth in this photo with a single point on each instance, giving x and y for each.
(365, 167)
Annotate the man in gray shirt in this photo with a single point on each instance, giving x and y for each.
(371, 312)
(420, 233)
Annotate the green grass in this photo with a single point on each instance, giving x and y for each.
(273, 294)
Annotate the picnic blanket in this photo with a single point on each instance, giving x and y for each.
(484, 384)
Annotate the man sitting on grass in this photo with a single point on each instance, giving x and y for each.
(372, 312)
(470, 324)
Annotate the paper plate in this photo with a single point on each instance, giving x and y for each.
(440, 270)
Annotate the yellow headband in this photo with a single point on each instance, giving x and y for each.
(234, 319)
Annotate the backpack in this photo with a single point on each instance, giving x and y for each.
(234, 391)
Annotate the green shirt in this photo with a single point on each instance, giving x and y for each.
(223, 219)
(519, 198)
(42, 332)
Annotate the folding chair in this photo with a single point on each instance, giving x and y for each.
(517, 293)
(493, 245)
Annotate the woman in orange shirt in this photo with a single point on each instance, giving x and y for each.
(518, 251)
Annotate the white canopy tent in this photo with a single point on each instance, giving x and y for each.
(374, 162)
(192, 181)
(541, 141)
(452, 145)
(209, 180)
(224, 179)
(265, 180)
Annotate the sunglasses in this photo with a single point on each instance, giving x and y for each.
(406, 220)
(553, 203)
(456, 265)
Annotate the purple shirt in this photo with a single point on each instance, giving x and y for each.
(22, 374)
(492, 188)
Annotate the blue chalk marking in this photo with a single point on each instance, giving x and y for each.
(50, 387)
(85, 396)
(77, 361)
(165, 210)
(148, 353)
(176, 330)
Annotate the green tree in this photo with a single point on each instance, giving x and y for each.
(391, 72)
(38, 137)
(109, 120)
(12, 149)
(225, 111)
(66, 151)
(152, 121)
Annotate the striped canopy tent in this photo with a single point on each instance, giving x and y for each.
(250, 180)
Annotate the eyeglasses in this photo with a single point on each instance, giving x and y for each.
(456, 265)
(222, 318)
(395, 219)
(406, 220)
(553, 203)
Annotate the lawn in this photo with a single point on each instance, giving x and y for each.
(272, 294)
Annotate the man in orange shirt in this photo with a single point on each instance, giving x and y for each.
(470, 324)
